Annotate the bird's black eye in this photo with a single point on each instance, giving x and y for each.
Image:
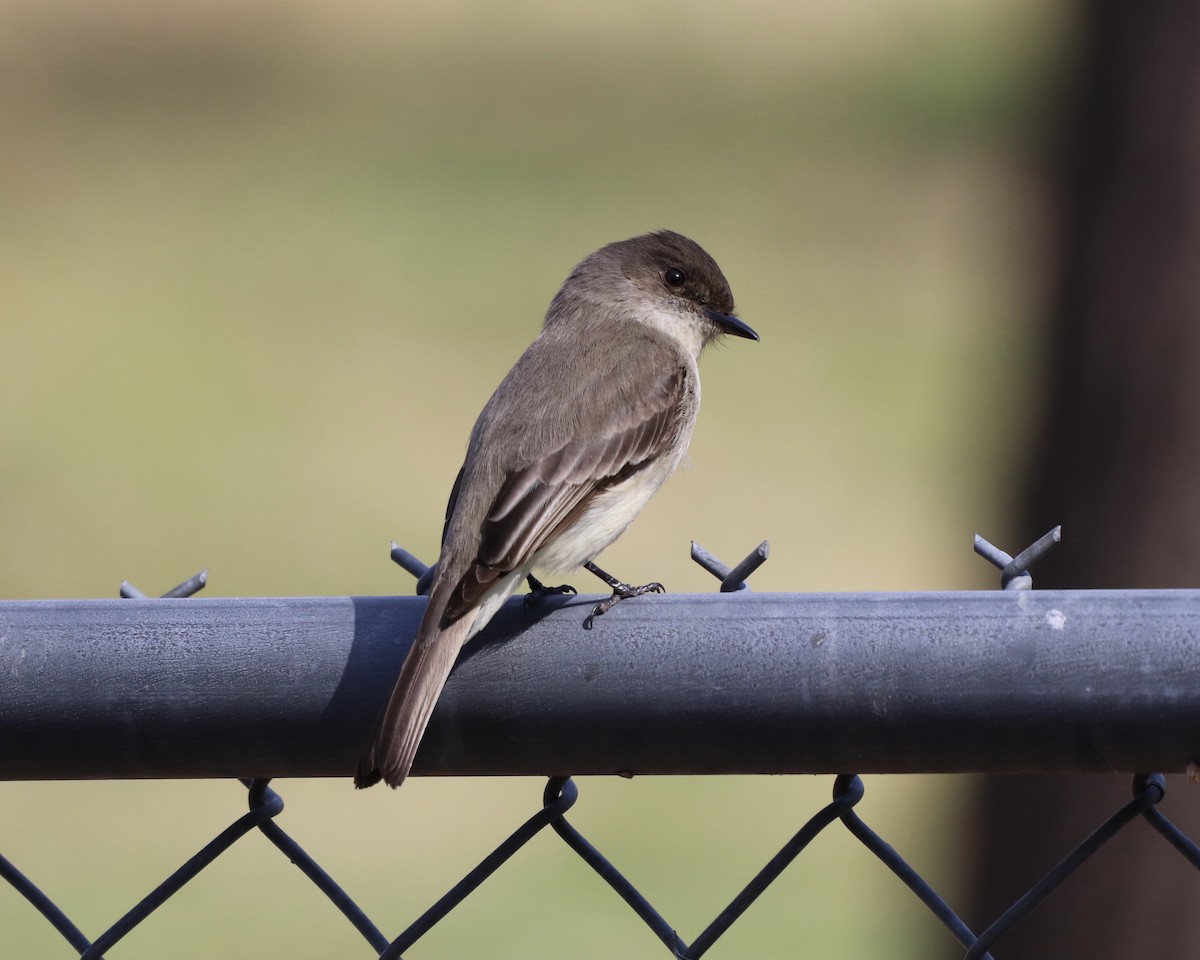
(674, 277)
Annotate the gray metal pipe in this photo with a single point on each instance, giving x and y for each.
(733, 683)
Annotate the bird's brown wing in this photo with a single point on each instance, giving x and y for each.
(452, 501)
(539, 498)
(533, 502)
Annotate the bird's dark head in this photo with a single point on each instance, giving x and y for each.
(665, 280)
(674, 269)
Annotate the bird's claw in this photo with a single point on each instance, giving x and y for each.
(538, 591)
(621, 591)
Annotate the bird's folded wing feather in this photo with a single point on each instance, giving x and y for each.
(538, 499)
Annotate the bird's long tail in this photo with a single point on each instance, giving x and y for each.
(390, 755)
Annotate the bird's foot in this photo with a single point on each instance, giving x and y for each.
(620, 591)
(538, 591)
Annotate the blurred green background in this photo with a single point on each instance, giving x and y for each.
(243, 245)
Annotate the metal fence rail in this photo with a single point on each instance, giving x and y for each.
(743, 683)
(1056, 680)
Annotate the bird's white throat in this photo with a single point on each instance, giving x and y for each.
(681, 326)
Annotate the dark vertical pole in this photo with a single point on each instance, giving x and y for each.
(1117, 462)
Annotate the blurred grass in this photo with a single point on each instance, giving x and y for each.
(243, 249)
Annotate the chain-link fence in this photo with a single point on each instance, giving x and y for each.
(1067, 681)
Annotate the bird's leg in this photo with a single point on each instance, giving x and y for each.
(620, 591)
(538, 591)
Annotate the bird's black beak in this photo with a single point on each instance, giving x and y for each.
(730, 324)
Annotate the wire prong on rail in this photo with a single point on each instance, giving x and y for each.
(409, 562)
(415, 566)
(1014, 572)
(736, 578)
(709, 562)
(991, 553)
(191, 586)
(1021, 563)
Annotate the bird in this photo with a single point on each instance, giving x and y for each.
(591, 420)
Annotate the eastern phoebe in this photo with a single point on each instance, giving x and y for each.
(587, 425)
